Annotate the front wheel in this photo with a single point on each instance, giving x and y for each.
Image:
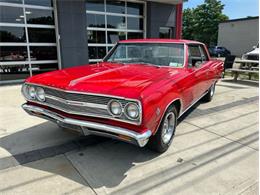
(161, 141)
(209, 96)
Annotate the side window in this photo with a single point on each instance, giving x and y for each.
(197, 55)
(203, 54)
(195, 59)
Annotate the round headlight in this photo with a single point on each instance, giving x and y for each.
(32, 92)
(115, 107)
(25, 91)
(132, 111)
(40, 94)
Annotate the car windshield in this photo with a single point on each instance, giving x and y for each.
(159, 54)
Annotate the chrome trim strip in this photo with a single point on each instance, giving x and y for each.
(112, 131)
(82, 114)
(181, 112)
(94, 94)
(192, 104)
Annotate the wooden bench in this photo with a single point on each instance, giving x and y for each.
(237, 71)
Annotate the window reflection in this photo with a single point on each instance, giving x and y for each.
(116, 22)
(14, 60)
(96, 52)
(14, 72)
(41, 35)
(166, 32)
(12, 34)
(95, 20)
(135, 35)
(11, 14)
(13, 53)
(134, 8)
(96, 36)
(95, 5)
(12, 1)
(115, 6)
(114, 37)
(41, 68)
(115, 28)
(47, 3)
(134, 23)
(43, 53)
(38, 16)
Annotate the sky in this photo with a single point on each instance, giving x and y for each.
(233, 8)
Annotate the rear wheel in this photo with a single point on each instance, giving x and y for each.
(209, 96)
(161, 141)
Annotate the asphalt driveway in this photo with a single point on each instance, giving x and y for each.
(215, 151)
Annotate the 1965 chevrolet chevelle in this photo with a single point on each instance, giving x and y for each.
(136, 94)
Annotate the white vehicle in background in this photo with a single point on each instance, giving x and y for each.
(252, 55)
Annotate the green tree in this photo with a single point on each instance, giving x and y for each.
(201, 23)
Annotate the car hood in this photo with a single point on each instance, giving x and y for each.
(127, 80)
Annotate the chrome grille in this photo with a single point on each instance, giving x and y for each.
(84, 104)
(76, 109)
(77, 96)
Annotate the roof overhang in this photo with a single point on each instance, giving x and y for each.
(174, 2)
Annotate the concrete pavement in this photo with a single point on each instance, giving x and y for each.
(215, 151)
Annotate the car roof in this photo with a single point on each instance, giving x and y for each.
(159, 41)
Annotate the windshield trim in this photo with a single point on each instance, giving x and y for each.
(118, 43)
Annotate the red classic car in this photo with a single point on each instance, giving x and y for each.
(136, 94)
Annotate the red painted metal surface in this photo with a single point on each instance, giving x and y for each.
(155, 87)
(178, 21)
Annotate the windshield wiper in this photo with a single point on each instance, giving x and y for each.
(145, 63)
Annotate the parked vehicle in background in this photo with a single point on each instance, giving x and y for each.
(252, 55)
(218, 51)
(136, 94)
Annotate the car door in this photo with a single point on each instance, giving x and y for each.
(198, 65)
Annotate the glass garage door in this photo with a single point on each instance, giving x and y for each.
(27, 39)
(109, 21)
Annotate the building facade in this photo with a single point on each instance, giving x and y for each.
(239, 35)
(38, 36)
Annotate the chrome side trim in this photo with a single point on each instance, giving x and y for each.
(181, 112)
(192, 104)
(95, 128)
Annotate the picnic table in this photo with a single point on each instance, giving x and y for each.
(246, 66)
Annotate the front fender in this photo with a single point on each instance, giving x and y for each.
(155, 106)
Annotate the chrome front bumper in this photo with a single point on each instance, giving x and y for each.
(87, 127)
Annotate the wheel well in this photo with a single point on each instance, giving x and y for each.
(177, 104)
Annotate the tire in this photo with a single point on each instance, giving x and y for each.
(209, 96)
(159, 142)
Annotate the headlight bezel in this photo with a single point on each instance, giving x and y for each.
(38, 95)
(29, 87)
(126, 111)
(109, 108)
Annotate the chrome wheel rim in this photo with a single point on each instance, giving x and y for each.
(168, 127)
(212, 90)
